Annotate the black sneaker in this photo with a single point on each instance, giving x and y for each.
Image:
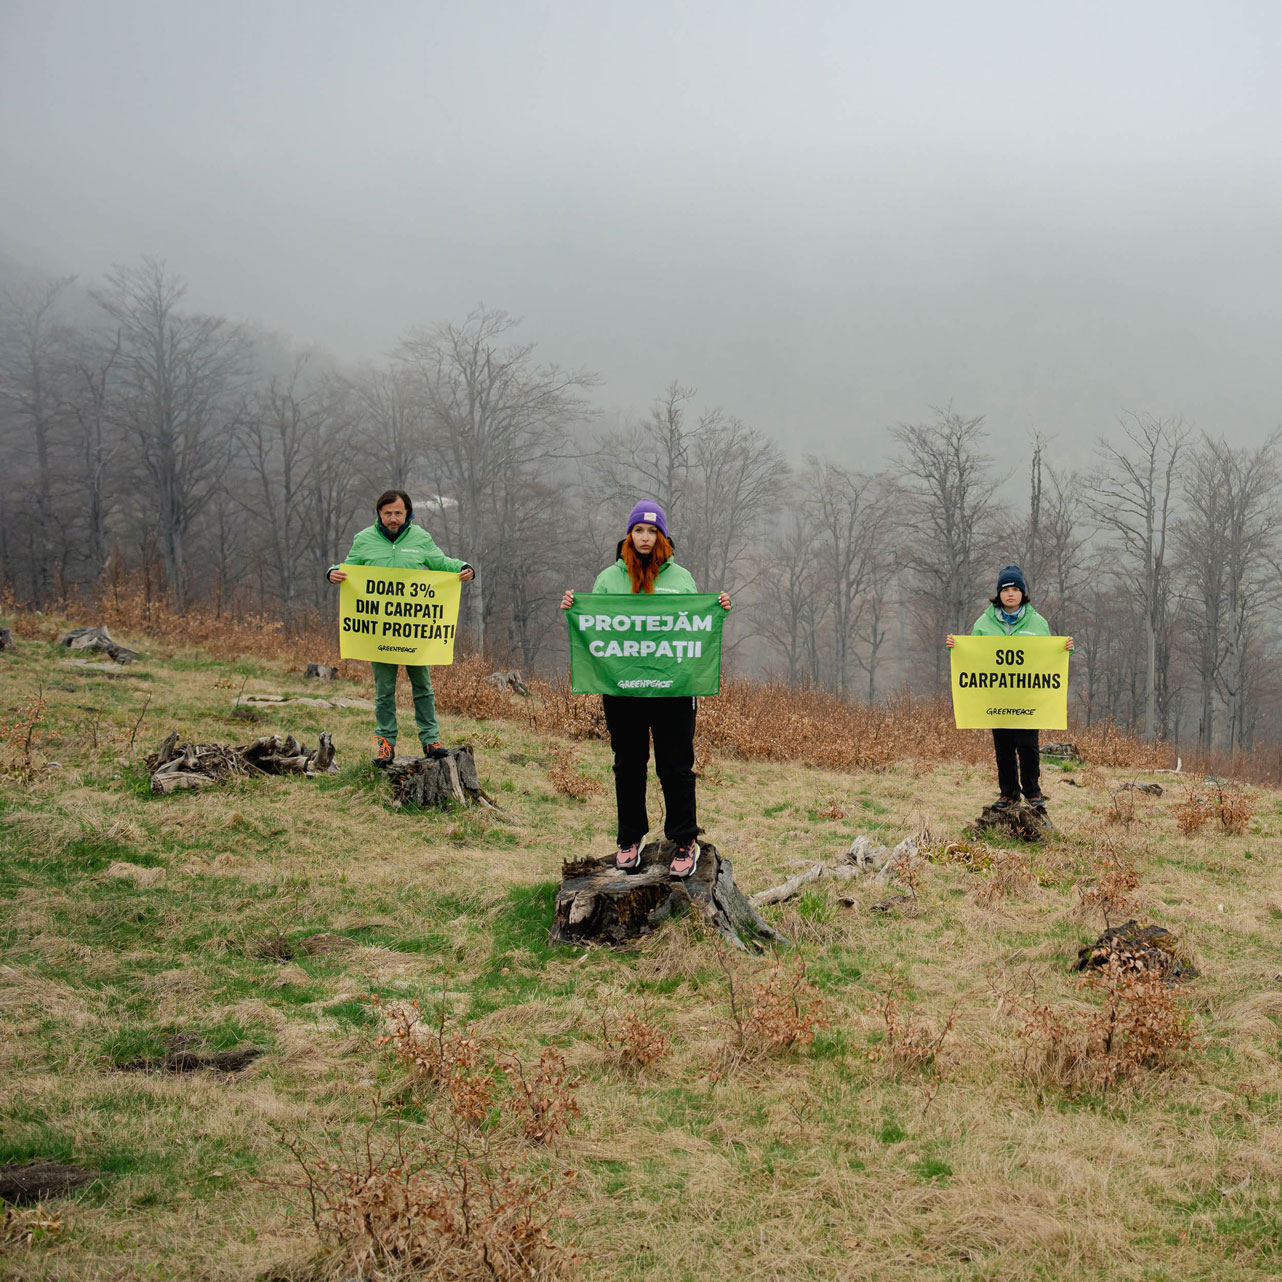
(435, 750)
(1036, 800)
(1004, 802)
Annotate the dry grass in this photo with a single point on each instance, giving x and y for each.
(826, 1163)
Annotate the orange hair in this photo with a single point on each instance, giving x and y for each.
(645, 570)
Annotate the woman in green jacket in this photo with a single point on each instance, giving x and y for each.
(394, 540)
(1009, 614)
(645, 564)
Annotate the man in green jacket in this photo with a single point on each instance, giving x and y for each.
(394, 540)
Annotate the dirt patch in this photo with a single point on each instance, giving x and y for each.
(182, 1059)
(42, 1179)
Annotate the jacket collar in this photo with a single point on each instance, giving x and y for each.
(392, 538)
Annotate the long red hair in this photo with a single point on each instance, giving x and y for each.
(644, 570)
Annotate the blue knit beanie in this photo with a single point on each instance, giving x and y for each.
(649, 512)
(1011, 576)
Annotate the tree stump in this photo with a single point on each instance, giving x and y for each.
(6, 639)
(97, 639)
(1062, 751)
(449, 779)
(600, 903)
(320, 672)
(1028, 823)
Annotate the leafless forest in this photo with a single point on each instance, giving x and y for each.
(199, 464)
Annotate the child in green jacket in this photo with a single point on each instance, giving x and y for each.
(1009, 614)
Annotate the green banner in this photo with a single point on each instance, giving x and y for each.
(659, 644)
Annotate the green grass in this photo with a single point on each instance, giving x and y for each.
(828, 1161)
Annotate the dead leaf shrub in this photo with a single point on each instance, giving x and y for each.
(568, 779)
(1111, 892)
(1193, 812)
(635, 1043)
(911, 1042)
(1121, 808)
(1141, 1024)
(543, 1103)
(1234, 808)
(433, 1201)
(457, 1063)
(772, 1018)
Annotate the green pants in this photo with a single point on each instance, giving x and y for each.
(424, 701)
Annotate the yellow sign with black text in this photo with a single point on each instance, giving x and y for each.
(398, 616)
(1015, 682)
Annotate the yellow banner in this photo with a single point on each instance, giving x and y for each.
(397, 616)
(1016, 682)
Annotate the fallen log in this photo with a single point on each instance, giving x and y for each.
(97, 639)
(863, 858)
(449, 779)
(600, 903)
(176, 766)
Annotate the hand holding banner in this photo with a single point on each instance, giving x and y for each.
(390, 615)
(1018, 682)
(657, 644)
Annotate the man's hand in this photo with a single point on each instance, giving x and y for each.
(467, 575)
(567, 600)
(950, 640)
(337, 576)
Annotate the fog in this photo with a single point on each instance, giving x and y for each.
(827, 217)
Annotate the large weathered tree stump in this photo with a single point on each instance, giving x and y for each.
(97, 639)
(6, 639)
(175, 766)
(448, 779)
(600, 903)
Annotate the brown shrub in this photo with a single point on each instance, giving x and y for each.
(1141, 1024)
(567, 779)
(435, 1205)
(635, 1043)
(1008, 875)
(544, 1102)
(1110, 894)
(911, 1043)
(457, 1063)
(771, 1018)
(1192, 812)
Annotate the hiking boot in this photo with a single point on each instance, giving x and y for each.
(685, 861)
(1036, 800)
(436, 750)
(628, 857)
(384, 751)
(1004, 802)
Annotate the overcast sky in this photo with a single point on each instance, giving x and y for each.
(827, 216)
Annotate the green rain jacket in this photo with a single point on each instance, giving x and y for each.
(671, 578)
(413, 548)
(1031, 624)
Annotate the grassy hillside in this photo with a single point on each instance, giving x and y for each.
(925, 1099)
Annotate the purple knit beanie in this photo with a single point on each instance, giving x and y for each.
(649, 512)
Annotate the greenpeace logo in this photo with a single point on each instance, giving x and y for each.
(644, 685)
(397, 649)
(1011, 712)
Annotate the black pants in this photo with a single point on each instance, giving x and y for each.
(1009, 744)
(631, 721)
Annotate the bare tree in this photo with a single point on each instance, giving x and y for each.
(1228, 546)
(29, 356)
(948, 487)
(1131, 500)
(495, 421)
(792, 595)
(180, 375)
